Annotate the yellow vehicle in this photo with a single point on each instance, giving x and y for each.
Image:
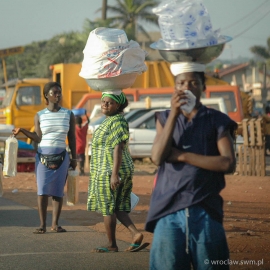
(158, 83)
(24, 97)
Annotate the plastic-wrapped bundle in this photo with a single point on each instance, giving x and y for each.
(108, 53)
(185, 24)
(10, 159)
(72, 188)
(1, 180)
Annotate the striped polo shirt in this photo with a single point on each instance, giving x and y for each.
(54, 127)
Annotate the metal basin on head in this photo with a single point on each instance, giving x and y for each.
(203, 55)
(113, 83)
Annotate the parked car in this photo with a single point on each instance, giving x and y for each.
(141, 135)
(133, 111)
(142, 131)
(129, 116)
(96, 114)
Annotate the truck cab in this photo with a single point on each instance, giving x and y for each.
(232, 97)
(23, 99)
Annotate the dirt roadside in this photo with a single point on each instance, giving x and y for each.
(246, 209)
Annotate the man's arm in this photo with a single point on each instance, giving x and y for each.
(225, 162)
(163, 141)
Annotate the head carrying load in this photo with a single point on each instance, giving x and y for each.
(117, 96)
(187, 35)
(110, 60)
(184, 67)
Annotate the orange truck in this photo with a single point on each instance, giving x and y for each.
(232, 97)
(157, 83)
(24, 97)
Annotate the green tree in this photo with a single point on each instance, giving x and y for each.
(38, 56)
(131, 16)
(263, 52)
(25, 65)
(63, 48)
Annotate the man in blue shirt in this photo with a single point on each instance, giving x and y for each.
(193, 149)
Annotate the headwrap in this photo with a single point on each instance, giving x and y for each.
(117, 96)
(183, 67)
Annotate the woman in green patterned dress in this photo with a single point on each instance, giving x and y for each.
(111, 172)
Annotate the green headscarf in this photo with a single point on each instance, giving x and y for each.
(121, 99)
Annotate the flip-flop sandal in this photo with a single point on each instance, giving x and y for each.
(59, 229)
(102, 250)
(39, 231)
(138, 247)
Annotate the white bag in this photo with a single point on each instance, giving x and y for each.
(134, 199)
(10, 159)
(107, 56)
(185, 24)
(72, 188)
(1, 179)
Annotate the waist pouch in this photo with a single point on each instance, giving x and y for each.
(52, 162)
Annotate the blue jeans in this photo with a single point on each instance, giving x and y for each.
(189, 236)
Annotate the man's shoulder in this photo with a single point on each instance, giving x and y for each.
(162, 113)
(213, 112)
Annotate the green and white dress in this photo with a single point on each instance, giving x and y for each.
(101, 197)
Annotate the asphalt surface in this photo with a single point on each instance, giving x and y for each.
(21, 249)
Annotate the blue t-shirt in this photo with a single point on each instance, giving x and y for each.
(180, 185)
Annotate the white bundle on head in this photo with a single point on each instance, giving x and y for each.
(108, 53)
(184, 67)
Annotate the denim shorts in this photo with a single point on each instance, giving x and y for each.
(189, 237)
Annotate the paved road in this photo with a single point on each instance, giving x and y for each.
(21, 249)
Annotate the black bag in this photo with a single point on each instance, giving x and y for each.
(52, 162)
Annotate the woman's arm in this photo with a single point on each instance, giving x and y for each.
(72, 141)
(35, 136)
(117, 160)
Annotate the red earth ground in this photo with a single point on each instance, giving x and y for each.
(246, 209)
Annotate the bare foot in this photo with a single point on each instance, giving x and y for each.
(137, 240)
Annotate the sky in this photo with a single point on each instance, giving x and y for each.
(22, 22)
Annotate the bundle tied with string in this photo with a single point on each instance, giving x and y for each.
(111, 62)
